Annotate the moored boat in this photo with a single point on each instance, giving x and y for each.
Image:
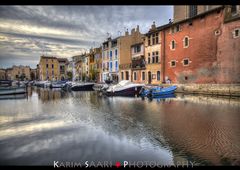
(100, 86)
(158, 91)
(58, 84)
(124, 88)
(5, 83)
(82, 87)
(12, 90)
(13, 96)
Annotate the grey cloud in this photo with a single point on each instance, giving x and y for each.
(86, 24)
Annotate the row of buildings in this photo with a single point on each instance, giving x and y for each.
(49, 68)
(200, 45)
(18, 73)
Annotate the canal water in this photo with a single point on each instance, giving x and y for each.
(53, 125)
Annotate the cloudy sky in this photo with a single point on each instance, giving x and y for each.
(26, 32)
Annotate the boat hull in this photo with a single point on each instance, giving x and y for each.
(133, 91)
(12, 90)
(162, 92)
(84, 87)
(13, 96)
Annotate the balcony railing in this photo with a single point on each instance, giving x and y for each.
(138, 64)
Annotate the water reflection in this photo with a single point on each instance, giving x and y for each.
(77, 126)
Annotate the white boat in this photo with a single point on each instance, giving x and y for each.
(12, 90)
(47, 83)
(40, 83)
(100, 86)
(124, 88)
(57, 84)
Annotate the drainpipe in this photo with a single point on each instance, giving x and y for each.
(163, 56)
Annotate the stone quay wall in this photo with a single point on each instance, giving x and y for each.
(232, 90)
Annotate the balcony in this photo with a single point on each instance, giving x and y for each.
(105, 69)
(138, 64)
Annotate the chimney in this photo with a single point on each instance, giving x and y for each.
(153, 25)
(137, 29)
(132, 31)
(126, 33)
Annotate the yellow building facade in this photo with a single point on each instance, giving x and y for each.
(153, 56)
(49, 68)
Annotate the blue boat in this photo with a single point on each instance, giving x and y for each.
(157, 91)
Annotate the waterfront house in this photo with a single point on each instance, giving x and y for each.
(110, 59)
(125, 55)
(18, 73)
(154, 46)
(79, 69)
(105, 59)
(63, 64)
(204, 47)
(138, 63)
(98, 63)
(52, 68)
(2, 74)
(48, 68)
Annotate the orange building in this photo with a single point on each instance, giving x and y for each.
(204, 48)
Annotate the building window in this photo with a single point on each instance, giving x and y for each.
(157, 57)
(157, 38)
(206, 7)
(233, 9)
(143, 76)
(192, 10)
(116, 65)
(52, 66)
(47, 65)
(116, 53)
(153, 57)
(52, 72)
(135, 75)
(173, 63)
(149, 60)
(127, 75)
(158, 75)
(173, 45)
(149, 41)
(186, 42)
(137, 49)
(110, 55)
(186, 62)
(236, 33)
(177, 28)
(122, 75)
(153, 39)
(110, 66)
